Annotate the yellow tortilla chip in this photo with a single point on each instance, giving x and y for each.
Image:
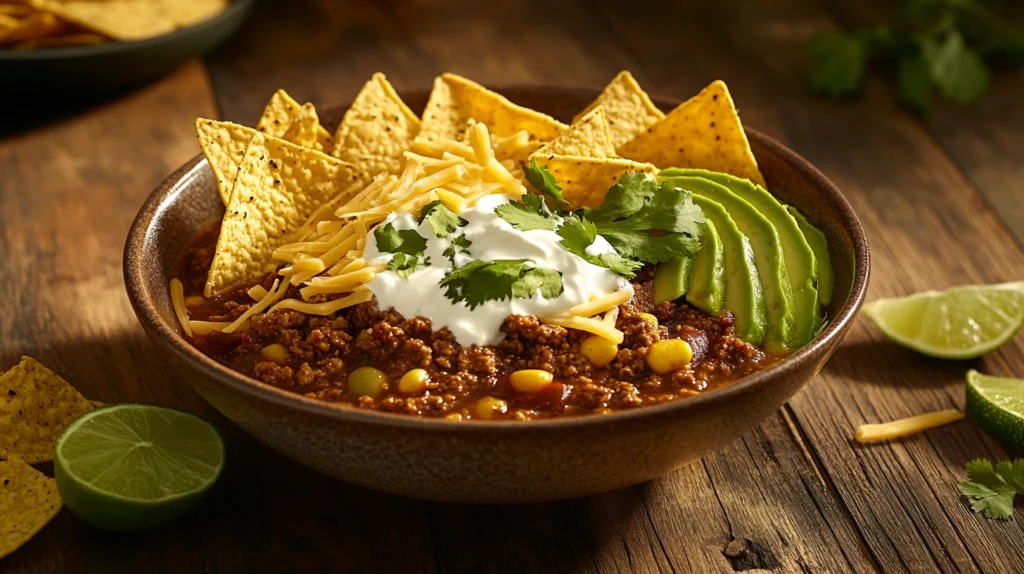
(189, 12)
(279, 114)
(703, 132)
(588, 136)
(585, 180)
(376, 129)
(28, 501)
(223, 144)
(31, 27)
(628, 108)
(455, 100)
(304, 128)
(35, 407)
(119, 19)
(279, 185)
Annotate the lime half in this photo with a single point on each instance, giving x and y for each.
(135, 467)
(996, 404)
(959, 323)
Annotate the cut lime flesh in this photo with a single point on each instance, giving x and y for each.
(996, 404)
(135, 467)
(959, 323)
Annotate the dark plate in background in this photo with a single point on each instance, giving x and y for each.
(77, 71)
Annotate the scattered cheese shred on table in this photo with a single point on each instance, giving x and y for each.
(906, 427)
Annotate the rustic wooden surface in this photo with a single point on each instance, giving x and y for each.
(941, 201)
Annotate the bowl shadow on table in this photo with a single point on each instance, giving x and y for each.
(268, 513)
(884, 364)
(23, 114)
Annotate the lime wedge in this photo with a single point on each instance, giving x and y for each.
(135, 467)
(997, 405)
(959, 323)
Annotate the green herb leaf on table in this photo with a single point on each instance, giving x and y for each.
(391, 240)
(915, 82)
(578, 234)
(480, 281)
(459, 246)
(403, 265)
(991, 490)
(442, 220)
(837, 64)
(541, 179)
(527, 214)
(956, 69)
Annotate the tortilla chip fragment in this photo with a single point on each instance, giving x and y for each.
(119, 19)
(376, 129)
(28, 501)
(303, 130)
(627, 106)
(223, 144)
(279, 114)
(588, 136)
(455, 100)
(35, 407)
(703, 132)
(279, 185)
(586, 180)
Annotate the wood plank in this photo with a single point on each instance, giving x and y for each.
(762, 491)
(929, 228)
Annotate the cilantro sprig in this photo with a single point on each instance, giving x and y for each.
(480, 281)
(991, 490)
(407, 245)
(541, 179)
(527, 214)
(578, 234)
(940, 47)
(442, 220)
(459, 246)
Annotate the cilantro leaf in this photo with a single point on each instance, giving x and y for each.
(403, 265)
(837, 64)
(914, 82)
(459, 246)
(625, 198)
(541, 179)
(441, 219)
(547, 281)
(956, 69)
(480, 281)
(667, 208)
(652, 249)
(527, 215)
(991, 490)
(578, 233)
(391, 240)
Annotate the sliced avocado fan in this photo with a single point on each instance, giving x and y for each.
(801, 265)
(768, 255)
(707, 281)
(743, 295)
(672, 279)
(819, 245)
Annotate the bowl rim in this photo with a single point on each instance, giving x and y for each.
(238, 7)
(168, 191)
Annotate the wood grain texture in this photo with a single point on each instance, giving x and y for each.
(794, 495)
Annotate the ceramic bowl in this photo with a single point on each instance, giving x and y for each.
(495, 462)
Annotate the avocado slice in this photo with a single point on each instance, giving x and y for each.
(743, 295)
(819, 245)
(801, 265)
(771, 264)
(707, 284)
(672, 279)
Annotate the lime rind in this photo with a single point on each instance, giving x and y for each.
(996, 404)
(959, 323)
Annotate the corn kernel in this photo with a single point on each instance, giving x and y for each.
(366, 382)
(275, 352)
(650, 319)
(669, 355)
(415, 381)
(194, 300)
(453, 416)
(487, 407)
(598, 350)
(530, 380)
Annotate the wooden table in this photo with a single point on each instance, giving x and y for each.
(942, 201)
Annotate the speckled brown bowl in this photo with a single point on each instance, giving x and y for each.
(490, 461)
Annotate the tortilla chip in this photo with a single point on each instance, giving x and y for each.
(585, 180)
(279, 185)
(628, 108)
(223, 144)
(376, 129)
(119, 19)
(455, 100)
(303, 130)
(31, 27)
(703, 132)
(588, 136)
(279, 114)
(189, 12)
(35, 407)
(28, 501)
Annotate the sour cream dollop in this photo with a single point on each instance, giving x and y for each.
(421, 294)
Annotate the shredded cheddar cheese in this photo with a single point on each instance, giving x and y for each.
(908, 426)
